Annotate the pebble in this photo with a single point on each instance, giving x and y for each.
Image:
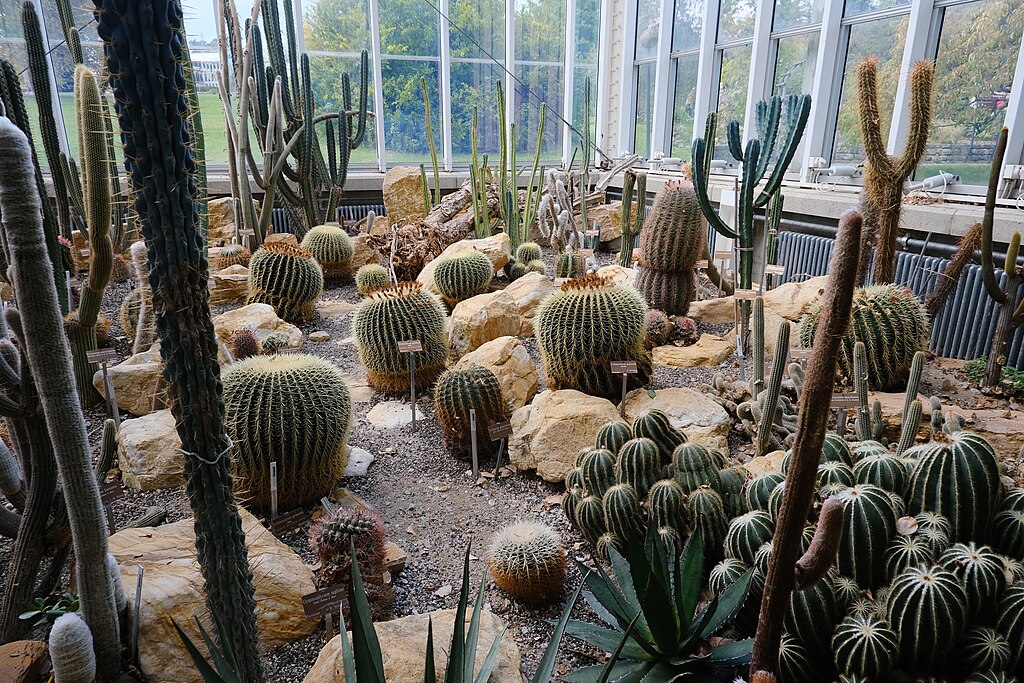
(319, 336)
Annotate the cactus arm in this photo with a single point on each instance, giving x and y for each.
(921, 77)
(812, 424)
(732, 135)
(988, 269)
(625, 220)
(767, 123)
(870, 117)
(364, 81)
(67, 25)
(432, 147)
(529, 212)
(293, 62)
(969, 243)
(860, 383)
(263, 80)
(757, 382)
(502, 147)
(142, 48)
(49, 361)
(306, 149)
(701, 187)
(745, 208)
(914, 380)
(426, 190)
(771, 403)
(798, 110)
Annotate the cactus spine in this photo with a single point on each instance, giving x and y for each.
(371, 277)
(527, 561)
(670, 244)
(864, 646)
(459, 391)
(463, 275)
(286, 277)
(139, 53)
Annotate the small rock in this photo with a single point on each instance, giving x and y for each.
(148, 452)
(619, 275)
(319, 336)
(761, 464)
(390, 415)
(283, 238)
(359, 461)
(361, 391)
(394, 557)
(709, 351)
(335, 309)
(403, 195)
(363, 252)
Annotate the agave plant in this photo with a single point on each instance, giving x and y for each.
(655, 631)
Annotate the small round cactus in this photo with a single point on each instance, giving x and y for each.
(263, 399)
(569, 265)
(908, 551)
(870, 524)
(864, 646)
(758, 489)
(527, 561)
(288, 278)
(71, 649)
(528, 251)
(927, 608)
(726, 573)
(1010, 622)
(613, 435)
(795, 663)
(666, 503)
(515, 270)
(597, 467)
(659, 328)
(638, 465)
(984, 648)
(1008, 533)
(332, 537)
(590, 519)
(983, 575)
(883, 470)
(331, 246)
(622, 513)
(935, 529)
(402, 312)
(456, 393)
(733, 481)
(656, 425)
(232, 255)
(462, 275)
(812, 615)
(245, 344)
(846, 590)
(536, 266)
(746, 534)
(834, 472)
(694, 467)
(707, 517)
(371, 277)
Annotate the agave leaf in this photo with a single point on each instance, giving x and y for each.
(689, 576)
(622, 672)
(491, 660)
(724, 607)
(547, 661)
(455, 671)
(473, 637)
(605, 591)
(600, 610)
(347, 659)
(209, 674)
(617, 653)
(429, 675)
(368, 660)
(606, 639)
(736, 653)
(624, 575)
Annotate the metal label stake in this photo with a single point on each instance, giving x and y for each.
(500, 431)
(472, 442)
(412, 347)
(273, 490)
(104, 356)
(137, 619)
(624, 368)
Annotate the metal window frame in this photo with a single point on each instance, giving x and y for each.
(661, 121)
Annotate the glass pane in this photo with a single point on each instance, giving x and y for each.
(883, 39)
(476, 28)
(682, 111)
(336, 25)
(543, 84)
(540, 31)
(644, 109)
(648, 21)
(325, 77)
(736, 20)
(732, 92)
(409, 27)
(862, 6)
(688, 22)
(794, 74)
(791, 13)
(978, 49)
(404, 115)
(588, 33)
(474, 84)
(579, 83)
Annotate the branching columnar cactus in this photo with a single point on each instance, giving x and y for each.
(583, 327)
(288, 278)
(456, 393)
(527, 561)
(927, 608)
(332, 248)
(143, 47)
(462, 275)
(632, 225)
(892, 323)
(402, 312)
(71, 650)
(884, 175)
(957, 477)
(294, 410)
(333, 536)
(371, 277)
(670, 243)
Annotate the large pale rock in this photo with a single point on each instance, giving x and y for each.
(1003, 428)
(363, 252)
(609, 219)
(403, 195)
(548, 433)
(709, 351)
(702, 420)
(763, 464)
(510, 362)
(283, 238)
(619, 275)
(261, 319)
(173, 590)
(793, 299)
(229, 285)
(497, 247)
(147, 452)
(23, 661)
(772, 325)
(403, 645)
(480, 319)
(135, 381)
(527, 292)
(717, 311)
(222, 221)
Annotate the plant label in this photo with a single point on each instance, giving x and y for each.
(702, 264)
(111, 491)
(101, 355)
(745, 294)
(472, 445)
(500, 430)
(723, 256)
(774, 270)
(411, 346)
(593, 233)
(586, 253)
(246, 232)
(801, 354)
(328, 505)
(289, 521)
(845, 401)
(273, 490)
(324, 601)
(624, 367)
(84, 252)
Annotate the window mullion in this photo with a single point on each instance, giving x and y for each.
(378, 88)
(662, 114)
(759, 53)
(706, 69)
(628, 83)
(916, 47)
(569, 81)
(825, 72)
(445, 93)
(1015, 115)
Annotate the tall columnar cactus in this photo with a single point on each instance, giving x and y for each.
(1011, 313)
(142, 44)
(462, 275)
(402, 312)
(583, 327)
(332, 248)
(756, 158)
(885, 175)
(459, 391)
(632, 224)
(670, 243)
(927, 608)
(92, 134)
(143, 327)
(527, 561)
(957, 477)
(71, 650)
(893, 324)
(288, 278)
(46, 356)
(262, 397)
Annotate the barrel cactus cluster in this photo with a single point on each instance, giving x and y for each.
(331, 246)
(288, 278)
(402, 312)
(671, 241)
(893, 324)
(584, 326)
(527, 259)
(294, 410)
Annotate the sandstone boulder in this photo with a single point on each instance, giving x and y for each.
(23, 661)
(497, 247)
(480, 319)
(717, 311)
(229, 285)
(762, 464)
(222, 221)
(510, 362)
(619, 275)
(135, 381)
(527, 292)
(702, 420)
(283, 238)
(363, 252)
(609, 219)
(709, 351)
(549, 432)
(173, 590)
(261, 319)
(793, 299)
(147, 452)
(403, 194)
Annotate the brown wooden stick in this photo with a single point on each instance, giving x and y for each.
(811, 426)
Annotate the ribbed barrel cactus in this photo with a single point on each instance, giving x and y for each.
(583, 327)
(232, 255)
(927, 608)
(332, 248)
(569, 264)
(459, 391)
(870, 523)
(671, 241)
(402, 312)
(462, 275)
(893, 324)
(864, 645)
(294, 410)
(371, 277)
(527, 252)
(288, 278)
(527, 561)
